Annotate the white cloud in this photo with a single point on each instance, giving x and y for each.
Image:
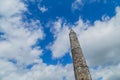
(107, 73)
(61, 45)
(100, 42)
(61, 32)
(51, 71)
(57, 27)
(102, 39)
(6, 68)
(41, 72)
(43, 9)
(77, 4)
(8, 8)
(19, 37)
(19, 41)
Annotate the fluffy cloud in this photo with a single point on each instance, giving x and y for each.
(6, 68)
(102, 39)
(77, 4)
(9, 8)
(50, 71)
(18, 41)
(100, 42)
(61, 32)
(107, 73)
(18, 50)
(43, 9)
(38, 72)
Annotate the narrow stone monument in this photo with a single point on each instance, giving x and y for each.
(81, 69)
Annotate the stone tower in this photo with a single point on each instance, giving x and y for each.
(81, 69)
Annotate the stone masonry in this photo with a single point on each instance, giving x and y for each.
(81, 69)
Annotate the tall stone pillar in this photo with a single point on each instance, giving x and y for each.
(81, 69)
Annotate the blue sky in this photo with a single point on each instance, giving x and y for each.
(34, 38)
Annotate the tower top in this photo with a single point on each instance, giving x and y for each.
(72, 31)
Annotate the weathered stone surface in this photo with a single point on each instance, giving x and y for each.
(81, 69)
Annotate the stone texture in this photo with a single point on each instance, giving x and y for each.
(81, 69)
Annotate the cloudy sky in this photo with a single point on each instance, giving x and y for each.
(34, 38)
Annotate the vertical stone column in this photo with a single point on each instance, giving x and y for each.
(81, 69)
